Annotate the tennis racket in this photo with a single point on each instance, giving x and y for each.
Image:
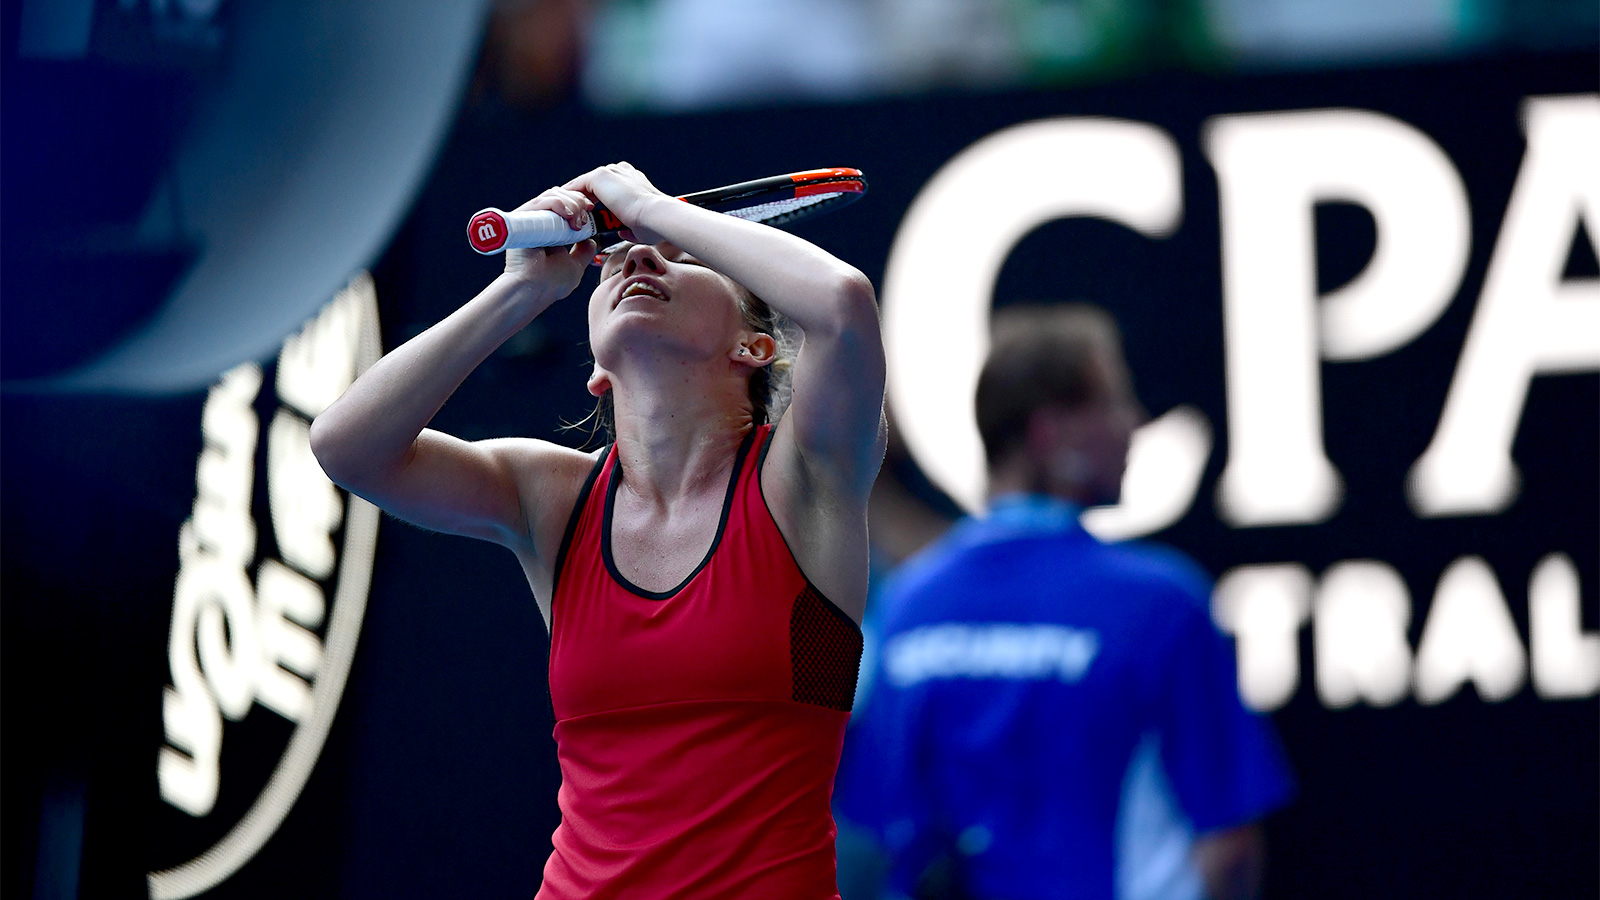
(771, 201)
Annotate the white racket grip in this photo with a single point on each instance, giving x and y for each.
(492, 231)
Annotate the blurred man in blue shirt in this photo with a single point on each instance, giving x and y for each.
(1033, 685)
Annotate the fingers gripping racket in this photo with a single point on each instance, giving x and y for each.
(770, 201)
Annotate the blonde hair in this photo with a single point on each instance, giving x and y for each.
(770, 386)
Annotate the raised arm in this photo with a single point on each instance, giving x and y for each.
(826, 450)
(835, 416)
(374, 441)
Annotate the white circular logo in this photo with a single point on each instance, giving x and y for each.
(235, 644)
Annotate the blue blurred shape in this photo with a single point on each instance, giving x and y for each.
(55, 29)
(271, 152)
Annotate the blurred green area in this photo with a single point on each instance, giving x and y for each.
(682, 55)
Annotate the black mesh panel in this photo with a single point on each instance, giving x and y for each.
(825, 650)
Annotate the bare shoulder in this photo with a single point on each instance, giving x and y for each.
(823, 517)
(549, 479)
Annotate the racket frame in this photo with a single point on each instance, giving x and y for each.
(490, 230)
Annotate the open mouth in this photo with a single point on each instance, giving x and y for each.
(642, 288)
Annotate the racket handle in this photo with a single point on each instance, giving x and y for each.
(491, 230)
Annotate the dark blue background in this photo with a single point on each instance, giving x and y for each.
(439, 778)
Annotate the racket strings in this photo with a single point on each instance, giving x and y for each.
(777, 212)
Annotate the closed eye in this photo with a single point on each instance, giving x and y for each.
(611, 259)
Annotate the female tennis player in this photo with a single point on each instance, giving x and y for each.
(703, 577)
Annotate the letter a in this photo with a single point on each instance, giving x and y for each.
(1528, 321)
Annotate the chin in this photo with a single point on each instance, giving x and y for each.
(650, 335)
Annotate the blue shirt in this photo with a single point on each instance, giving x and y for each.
(1020, 665)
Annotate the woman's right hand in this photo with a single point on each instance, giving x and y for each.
(556, 270)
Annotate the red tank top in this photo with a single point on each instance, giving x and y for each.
(698, 729)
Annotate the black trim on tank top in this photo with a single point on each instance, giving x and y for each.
(761, 462)
(611, 503)
(572, 521)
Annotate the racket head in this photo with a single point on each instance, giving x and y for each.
(780, 199)
(775, 200)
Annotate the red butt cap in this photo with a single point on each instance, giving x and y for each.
(487, 231)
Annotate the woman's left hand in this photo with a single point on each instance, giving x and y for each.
(625, 191)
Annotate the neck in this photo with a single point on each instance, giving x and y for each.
(1019, 476)
(678, 429)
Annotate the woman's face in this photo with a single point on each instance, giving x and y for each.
(654, 298)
